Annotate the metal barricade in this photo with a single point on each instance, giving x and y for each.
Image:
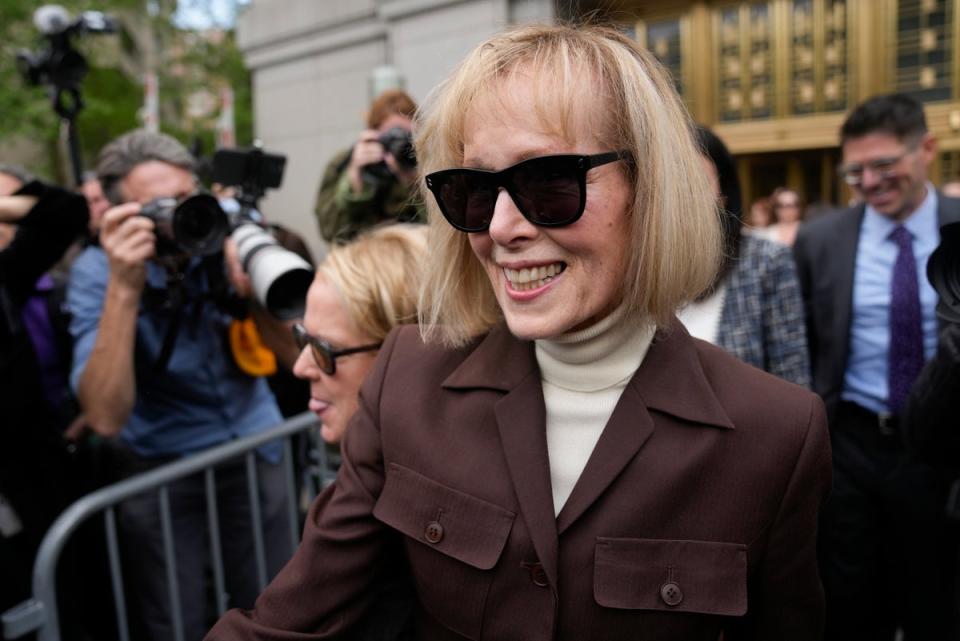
(40, 614)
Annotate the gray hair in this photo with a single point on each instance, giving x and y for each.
(120, 157)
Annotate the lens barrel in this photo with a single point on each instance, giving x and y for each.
(280, 278)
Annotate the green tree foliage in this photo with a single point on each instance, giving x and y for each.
(149, 40)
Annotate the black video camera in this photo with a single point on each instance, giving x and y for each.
(398, 142)
(59, 64)
(280, 278)
(943, 272)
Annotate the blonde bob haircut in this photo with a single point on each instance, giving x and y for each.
(378, 275)
(675, 239)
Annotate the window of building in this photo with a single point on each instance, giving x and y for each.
(924, 49)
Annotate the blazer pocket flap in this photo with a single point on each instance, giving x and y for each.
(461, 526)
(685, 576)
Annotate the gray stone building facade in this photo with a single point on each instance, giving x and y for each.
(312, 60)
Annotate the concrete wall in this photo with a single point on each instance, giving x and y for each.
(311, 62)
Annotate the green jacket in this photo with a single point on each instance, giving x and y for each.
(342, 214)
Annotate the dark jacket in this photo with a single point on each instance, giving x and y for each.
(695, 514)
(826, 252)
(762, 318)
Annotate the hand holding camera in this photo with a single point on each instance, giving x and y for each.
(382, 156)
(129, 240)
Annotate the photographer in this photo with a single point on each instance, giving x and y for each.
(930, 416)
(152, 368)
(33, 458)
(374, 180)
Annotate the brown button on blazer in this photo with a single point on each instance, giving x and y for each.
(695, 514)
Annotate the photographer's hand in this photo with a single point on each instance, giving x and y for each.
(367, 151)
(107, 387)
(405, 176)
(129, 241)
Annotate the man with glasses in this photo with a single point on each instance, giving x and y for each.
(887, 554)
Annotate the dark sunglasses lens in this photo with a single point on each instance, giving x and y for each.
(467, 199)
(548, 190)
(322, 356)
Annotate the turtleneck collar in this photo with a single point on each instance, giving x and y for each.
(598, 357)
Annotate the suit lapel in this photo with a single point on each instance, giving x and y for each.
(670, 381)
(521, 420)
(844, 251)
(505, 363)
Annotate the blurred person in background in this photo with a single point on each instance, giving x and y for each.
(951, 189)
(367, 184)
(34, 484)
(753, 309)
(760, 216)
(887, 552)
(788, 210)
(154, 374)
(97, 202)
(550, 455)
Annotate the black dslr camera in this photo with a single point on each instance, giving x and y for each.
(399, 143)
(196, 225)
(943, 272)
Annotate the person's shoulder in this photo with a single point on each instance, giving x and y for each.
(756, 401)
(407, 345)
(830, 222)
(756, 248)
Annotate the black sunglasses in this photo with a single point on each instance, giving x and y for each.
(550, 191)
(325, 355)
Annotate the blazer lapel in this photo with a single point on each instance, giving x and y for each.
(844, 253)
(503, 362)
(670, 380)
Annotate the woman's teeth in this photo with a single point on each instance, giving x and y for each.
(532, 277)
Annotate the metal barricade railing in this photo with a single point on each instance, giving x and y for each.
(40, 614)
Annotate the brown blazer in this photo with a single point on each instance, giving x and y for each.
(695, 515)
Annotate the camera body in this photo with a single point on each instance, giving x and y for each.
(59, 64)
(280, 278)
(943, 272)
(196, 225)
(398, 142)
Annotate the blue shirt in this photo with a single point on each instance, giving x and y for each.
(202, 398)
(865, 381)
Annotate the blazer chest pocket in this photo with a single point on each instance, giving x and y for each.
(701, 577)
(453, 542)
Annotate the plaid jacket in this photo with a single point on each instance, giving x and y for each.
(762, 320)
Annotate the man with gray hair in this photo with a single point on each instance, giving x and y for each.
(152, 371)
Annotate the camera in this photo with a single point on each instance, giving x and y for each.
(399, 143)
(59, 64)
(280, 278)
(943, 272)
(196, 225)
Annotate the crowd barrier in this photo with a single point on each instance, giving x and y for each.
(39, 613)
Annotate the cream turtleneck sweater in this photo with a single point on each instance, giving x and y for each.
(583, 375)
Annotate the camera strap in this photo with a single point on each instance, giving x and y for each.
(175, 304)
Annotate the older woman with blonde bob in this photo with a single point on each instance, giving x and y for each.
(362, 290)
(555, 457)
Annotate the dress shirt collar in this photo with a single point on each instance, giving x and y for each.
(919, 223)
